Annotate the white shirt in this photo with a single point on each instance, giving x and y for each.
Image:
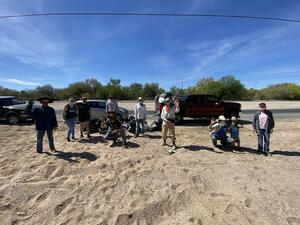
(168, 115)
(140, 111)
(111, 106)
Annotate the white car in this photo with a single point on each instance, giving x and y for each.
(98, 110)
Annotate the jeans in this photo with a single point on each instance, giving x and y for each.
(139, 126)
(224, 140)
(71, 127)
(263, 140)
(40, 136)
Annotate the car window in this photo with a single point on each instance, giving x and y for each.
(101, 105)
(93, 104)
(183, 98)
(16, 101)
(197, 99)
(5, 102)
(212, 98)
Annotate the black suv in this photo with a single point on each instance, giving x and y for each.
(13, 110)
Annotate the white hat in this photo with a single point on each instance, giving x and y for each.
(233, 118)
(167, 100)
(222, 118)
(140, 99)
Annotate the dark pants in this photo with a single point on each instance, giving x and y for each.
(140, 126)
(40, 136)
(224, 139)
(263, 140)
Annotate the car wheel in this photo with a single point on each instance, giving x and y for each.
(12, 119)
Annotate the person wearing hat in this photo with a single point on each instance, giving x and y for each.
(140, 114)
(263, 125)
(84, 116)
(45, 122)
(234, 131)
(218, 131)
(111, 105)
(70, 117)
(168, 118)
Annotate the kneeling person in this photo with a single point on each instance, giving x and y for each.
(115, 129)
(218, 131)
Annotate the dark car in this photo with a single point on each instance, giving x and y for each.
(206, 106)
(13, 110)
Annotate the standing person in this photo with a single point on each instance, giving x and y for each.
(140, 114)
(70, 117)
(263, 125)
(234, 131)
(168, 117)
(218, 129)
(111, 105)
(45, 121)
(84, 116)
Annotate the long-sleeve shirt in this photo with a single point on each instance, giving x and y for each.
(270, 123)
(45, 118)
(140, 111)
(111, 106)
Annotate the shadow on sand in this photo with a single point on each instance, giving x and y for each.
(69, 155)
(196, 148)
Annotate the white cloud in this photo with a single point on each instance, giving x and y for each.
(32, 41)
(19, 82)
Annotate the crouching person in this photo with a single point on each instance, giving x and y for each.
(218, 130)
(115, 129)
(168, 118)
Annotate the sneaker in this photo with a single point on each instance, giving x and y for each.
(53, 149)
(174, 147)
(68, 139)
(73, 138)
(171, 151)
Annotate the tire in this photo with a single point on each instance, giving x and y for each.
(12, 119)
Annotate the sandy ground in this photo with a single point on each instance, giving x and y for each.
(89, 182)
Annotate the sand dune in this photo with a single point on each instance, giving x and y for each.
(88, 182)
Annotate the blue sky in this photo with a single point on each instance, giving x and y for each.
(166, 50)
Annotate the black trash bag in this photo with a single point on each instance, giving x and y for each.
(95, 125)
(131, 125)
(156, 124)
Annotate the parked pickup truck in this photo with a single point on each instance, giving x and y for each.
(13, 110)
(206, 106)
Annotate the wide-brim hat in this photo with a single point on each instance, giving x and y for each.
(222, 118)
(45, 98)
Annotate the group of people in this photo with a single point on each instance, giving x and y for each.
(262, 125)
(46, 122)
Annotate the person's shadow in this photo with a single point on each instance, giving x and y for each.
(69, 155)
(196, 148)
(93, 140)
